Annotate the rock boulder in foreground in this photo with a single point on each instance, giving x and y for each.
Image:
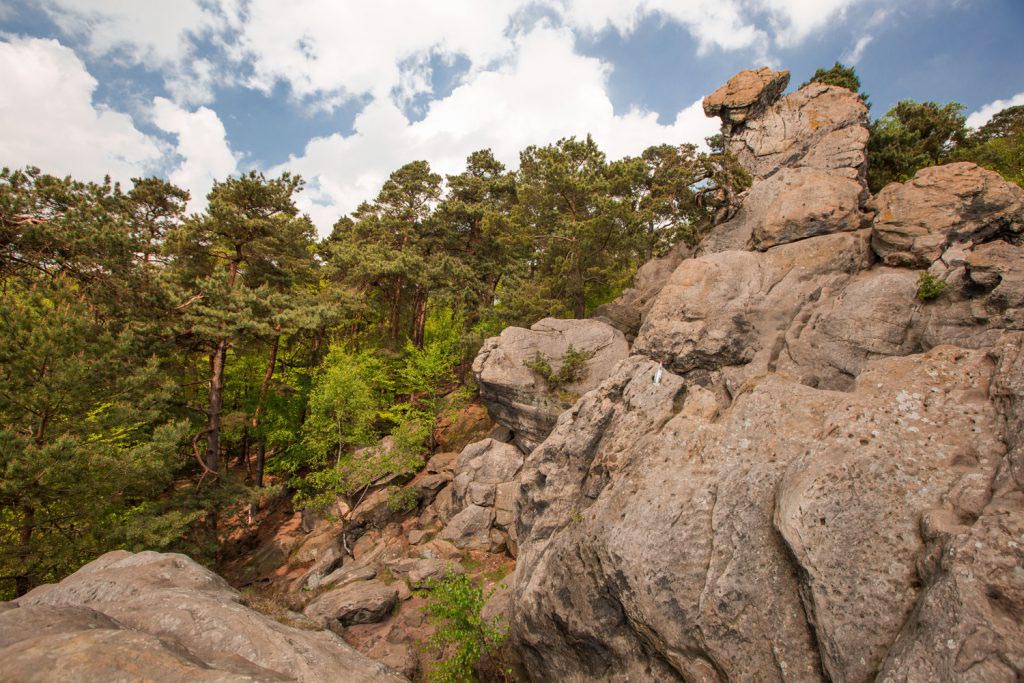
(162, 617)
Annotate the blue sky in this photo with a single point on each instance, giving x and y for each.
(345, 92)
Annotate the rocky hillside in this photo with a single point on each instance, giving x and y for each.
(811, 465)
(792, 453)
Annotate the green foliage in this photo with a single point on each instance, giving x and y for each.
(842, 76)
(345, 402)
(401, 499)
(911, 136)
(998, 145)
(930, 287)
(462, 637)
(572, 367)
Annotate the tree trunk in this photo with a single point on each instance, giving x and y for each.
(23, 581)
(216, 404)
(396, 310)
(217, 360)
(267, 377)
(420, 321)
(261, 457)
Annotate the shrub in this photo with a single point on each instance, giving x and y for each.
(462, 636)
(930, 287)
(572, 367)
(402, 499)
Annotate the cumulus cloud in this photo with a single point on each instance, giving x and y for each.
(151, 33)
(546, 92)
(324, 47)
(158, 35)
(50, 119)
(714, 23)
(986, 112)
(202, 150)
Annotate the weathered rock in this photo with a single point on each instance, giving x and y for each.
(442, 463)
(174, 620)
(649, 529)
(746, 95)
(943, 205)
(797, 203)
(350, 573)
(470, 528)
(517, 396)
(818, 126)
(481, 468)
(733, 308)
(361, 602)
(374, 510)
(875, 315)
(626, 312)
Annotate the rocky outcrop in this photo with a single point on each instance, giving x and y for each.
(807, 153)
(162, 617)
(941, 206)
(746, 95)
(483, 495)
(626, 311)
(804, 471)
(519, 397)
(673, 524)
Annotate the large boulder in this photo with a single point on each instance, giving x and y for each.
(517, 396)
(732, 309)
(360, 602)
(781, 539)
(746, 95)
(918, 220)
(162, 617)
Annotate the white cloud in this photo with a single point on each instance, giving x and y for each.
(852, 58)
(324, 47)
(203, 151)
(986, 112)
(714, 23)
(152, 33)
(548, 91)
(50, 120)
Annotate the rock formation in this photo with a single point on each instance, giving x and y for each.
(519, 397)
(162, 617)
(803, 471)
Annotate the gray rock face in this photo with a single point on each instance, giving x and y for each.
(733, 308)
(818, 126)
(655, 532)
(940, 206)
(517, 397)
(626, 312)
(483, 496)
(361, 602)
(162, 617)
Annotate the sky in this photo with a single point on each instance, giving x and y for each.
(344, 92)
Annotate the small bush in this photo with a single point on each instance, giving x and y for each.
(572, 367)
(930, 287)
(462, 636)
(402, 499)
